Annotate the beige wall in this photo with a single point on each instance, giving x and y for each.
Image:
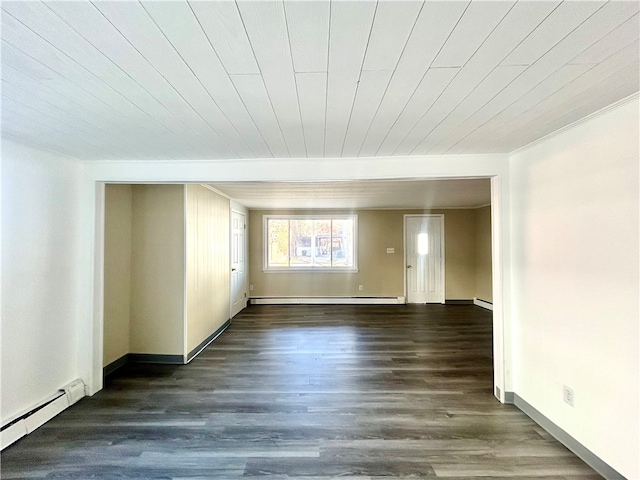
(157, 267)
(483, 254)
(117, 271)
(380, 273)
(460, 254)
(207, 274)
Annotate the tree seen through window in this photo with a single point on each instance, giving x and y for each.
(297, 242)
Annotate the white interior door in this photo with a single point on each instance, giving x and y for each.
(238, 270)
(424, 258)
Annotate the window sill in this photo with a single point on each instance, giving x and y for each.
(309, 270)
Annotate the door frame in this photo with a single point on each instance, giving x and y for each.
(442, 251)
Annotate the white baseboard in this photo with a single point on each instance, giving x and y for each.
(327, 300)
(482, 303)
(12, 434)
(35, 418)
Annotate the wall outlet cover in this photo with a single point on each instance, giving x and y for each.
(567, 395)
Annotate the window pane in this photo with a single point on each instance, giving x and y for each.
(315, 242)
(322, 233)
(301, 233)
(342, 243)
(423, 243)
(278, 248)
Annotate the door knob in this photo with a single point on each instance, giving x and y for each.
(233, 269)
(409, 266)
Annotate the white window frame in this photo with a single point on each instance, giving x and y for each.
(318, 269)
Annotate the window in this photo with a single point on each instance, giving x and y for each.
(294, 242)
(423, 243)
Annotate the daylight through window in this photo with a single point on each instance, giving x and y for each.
(310, 243)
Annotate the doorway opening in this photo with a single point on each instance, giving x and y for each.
(497, 212)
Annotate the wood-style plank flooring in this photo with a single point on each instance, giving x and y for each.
(312, 392)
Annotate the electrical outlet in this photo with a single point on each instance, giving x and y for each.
(360, 287)
(251, 287)
(567, 395)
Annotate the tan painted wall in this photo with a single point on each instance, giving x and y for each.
(157, 270)
(484, 290)
(380, 273)
(208, 271)
(460, 254)
(117, 271)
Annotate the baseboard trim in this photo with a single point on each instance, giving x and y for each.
(509, 398)
(115, 365)
(164, 359)
(567, 440)
(205, 343)
(458, 302)
(156, 358)
(38, 416)
(482, 303)
(327, 300)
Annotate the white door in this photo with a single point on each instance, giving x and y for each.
(238, 271)
(424, 257)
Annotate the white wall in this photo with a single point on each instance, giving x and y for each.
(44, 242)
(575, 262)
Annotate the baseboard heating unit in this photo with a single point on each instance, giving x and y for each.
(483, 303)
(327, 300)
(26, 423)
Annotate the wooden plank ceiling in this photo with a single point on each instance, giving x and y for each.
(216, 80)
(385, 194)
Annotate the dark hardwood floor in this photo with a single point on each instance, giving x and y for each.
(312, 392)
